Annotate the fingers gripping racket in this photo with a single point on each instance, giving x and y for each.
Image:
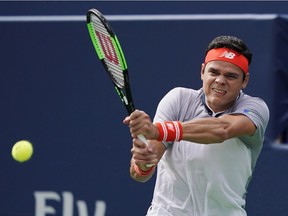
(111, 55)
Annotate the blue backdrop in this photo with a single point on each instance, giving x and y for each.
(55, 93)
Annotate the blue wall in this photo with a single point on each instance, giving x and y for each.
(55, 93)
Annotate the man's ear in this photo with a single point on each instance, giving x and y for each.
(246, 80)
(202, 70)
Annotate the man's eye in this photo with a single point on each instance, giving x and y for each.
(232, 76)
(214, 73)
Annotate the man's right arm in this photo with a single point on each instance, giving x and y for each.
(143, 155)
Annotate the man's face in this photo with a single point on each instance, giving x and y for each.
(222, 82)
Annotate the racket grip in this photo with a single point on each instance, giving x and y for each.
(143, 139)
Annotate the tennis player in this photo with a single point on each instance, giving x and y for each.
(205, 142)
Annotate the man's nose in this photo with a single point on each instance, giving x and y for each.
(220, 79)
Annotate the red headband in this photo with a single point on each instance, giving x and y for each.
(228, 55)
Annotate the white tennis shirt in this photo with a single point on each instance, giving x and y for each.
(206, 180)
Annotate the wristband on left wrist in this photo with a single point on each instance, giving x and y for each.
(142, 172)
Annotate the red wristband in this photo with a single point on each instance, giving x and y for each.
(141, 172)
(170, 131)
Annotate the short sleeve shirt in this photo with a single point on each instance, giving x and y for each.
(206, 180)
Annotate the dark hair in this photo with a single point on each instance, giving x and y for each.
(232, 43)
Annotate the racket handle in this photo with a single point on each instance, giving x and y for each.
(143, 139)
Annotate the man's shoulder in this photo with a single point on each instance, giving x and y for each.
(249, 99)
(186, 91)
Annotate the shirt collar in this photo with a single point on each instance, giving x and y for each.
(209, 110)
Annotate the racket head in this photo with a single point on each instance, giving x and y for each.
(107, 47)
(110, 53)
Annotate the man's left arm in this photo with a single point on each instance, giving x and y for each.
(217, 130)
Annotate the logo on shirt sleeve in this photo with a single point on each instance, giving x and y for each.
(246, 111)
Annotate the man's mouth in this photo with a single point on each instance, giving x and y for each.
(219, 91)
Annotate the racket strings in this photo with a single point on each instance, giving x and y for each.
(110, 54)
(115, 72)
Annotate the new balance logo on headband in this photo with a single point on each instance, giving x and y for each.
(229, 55)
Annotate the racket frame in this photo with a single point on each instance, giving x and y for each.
(126, 97)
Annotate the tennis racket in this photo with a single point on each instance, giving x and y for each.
(111, 55)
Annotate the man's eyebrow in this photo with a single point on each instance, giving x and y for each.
(232, 74)
(213, 69)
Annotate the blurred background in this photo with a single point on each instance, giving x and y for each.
(55, 93)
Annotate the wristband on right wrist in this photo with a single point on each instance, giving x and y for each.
(142, 172)
(169, 131)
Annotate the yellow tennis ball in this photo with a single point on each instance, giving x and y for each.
(22, 150)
